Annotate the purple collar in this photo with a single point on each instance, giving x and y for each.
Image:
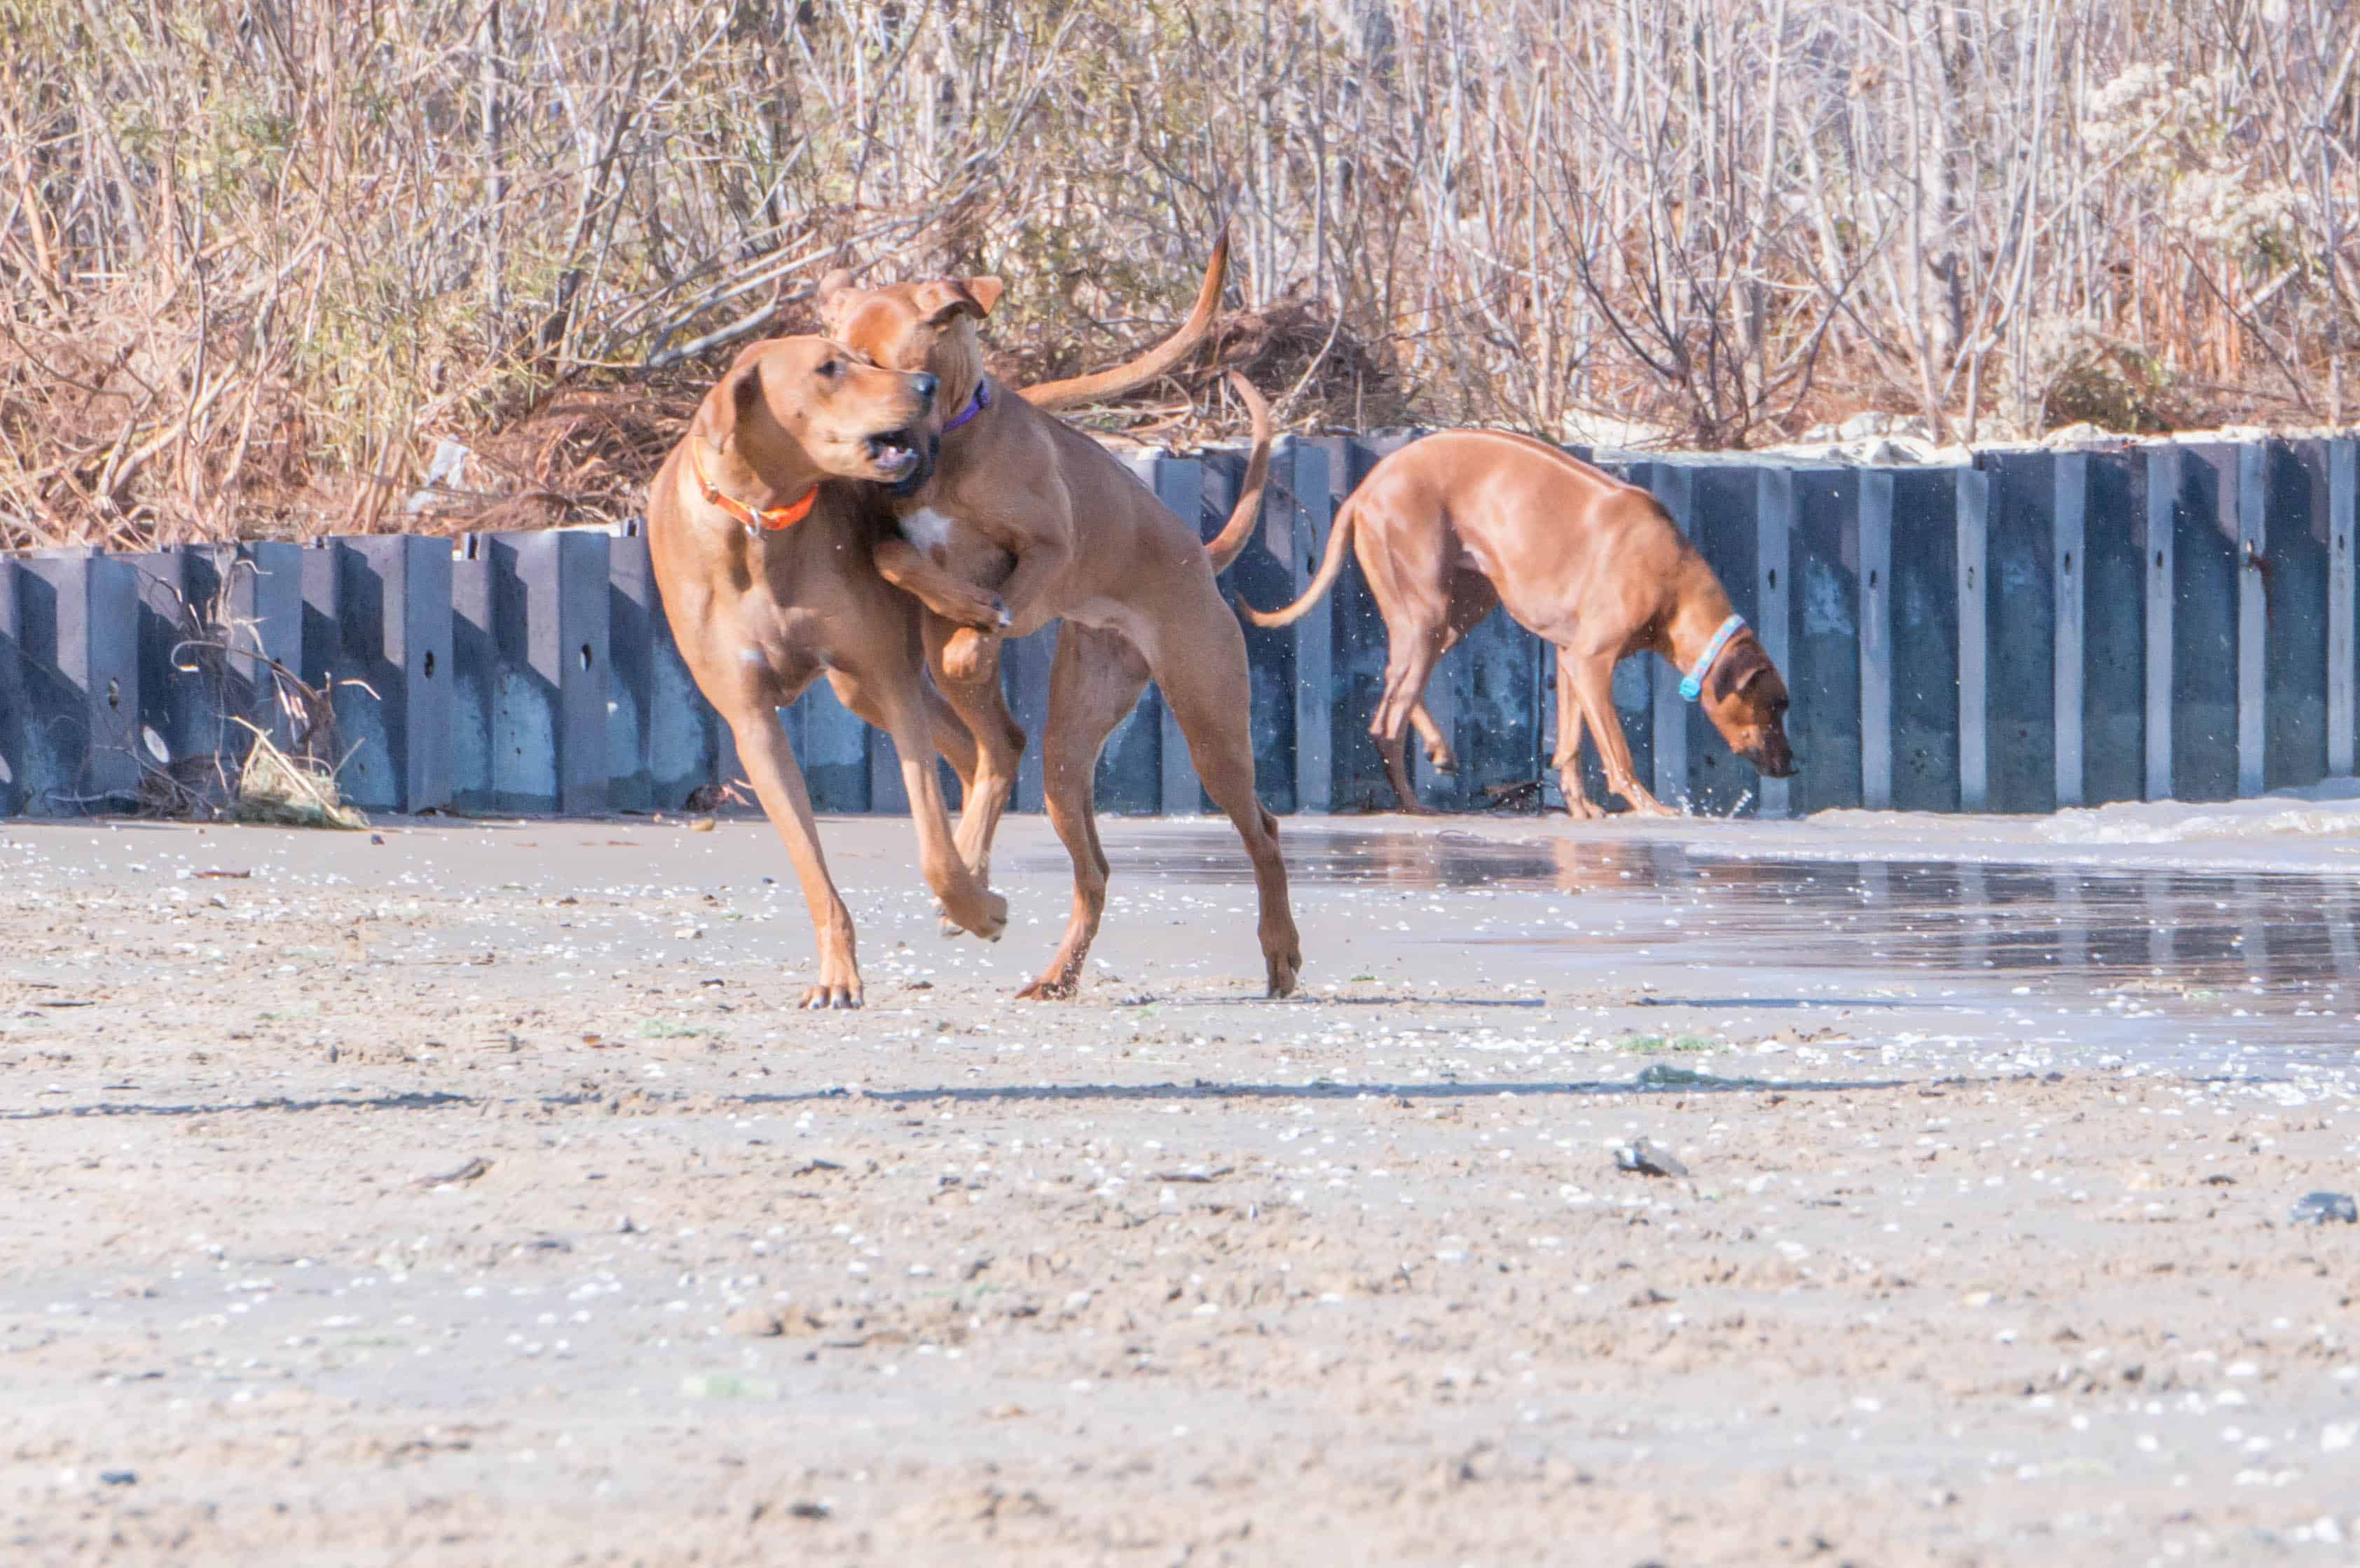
(976, 405)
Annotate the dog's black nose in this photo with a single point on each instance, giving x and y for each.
(926, 385)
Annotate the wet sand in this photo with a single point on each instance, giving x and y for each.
(430, 1201)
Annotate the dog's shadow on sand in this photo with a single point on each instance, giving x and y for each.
(1673, 1080)
(425, 1100)
(1242, 998)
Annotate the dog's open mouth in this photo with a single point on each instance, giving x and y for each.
(894, 452)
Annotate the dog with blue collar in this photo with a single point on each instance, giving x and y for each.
(1692, 683)
(1454, 524)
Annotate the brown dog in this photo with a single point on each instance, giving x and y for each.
(1453, 524)
(762, 553)
(975, 695)
(1042, 512)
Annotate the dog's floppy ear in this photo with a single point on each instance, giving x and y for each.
(828, 298)
(986, 292)
(946, 299)
(1740, 667)
(722, 410)
(741, 390)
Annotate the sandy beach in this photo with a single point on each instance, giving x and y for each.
(478, 1194)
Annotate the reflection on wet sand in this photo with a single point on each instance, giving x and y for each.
(2189, 929)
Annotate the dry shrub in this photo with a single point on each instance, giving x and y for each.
(2081, 376)
(584, 455)
(291, 791)
(246, 774)
(1298, 348)
(260, 262)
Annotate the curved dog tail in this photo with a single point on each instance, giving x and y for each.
(1224, 546)
(1331, 566)
(1104, 384)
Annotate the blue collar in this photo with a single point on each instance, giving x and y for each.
(1692, 685)
(976, 405)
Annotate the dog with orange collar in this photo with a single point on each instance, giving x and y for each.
(761, 542)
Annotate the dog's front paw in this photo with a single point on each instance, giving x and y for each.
(987, 919)
(978, 610)
(993, 919)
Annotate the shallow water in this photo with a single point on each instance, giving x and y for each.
(2231, 971)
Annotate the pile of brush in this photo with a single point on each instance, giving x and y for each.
(249, 775)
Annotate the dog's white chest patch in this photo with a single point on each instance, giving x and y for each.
(927, 529)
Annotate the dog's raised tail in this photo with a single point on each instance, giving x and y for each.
(1102, 385)
(1224, 546)
(1331, 566)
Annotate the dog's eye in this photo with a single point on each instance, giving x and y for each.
(831, 368)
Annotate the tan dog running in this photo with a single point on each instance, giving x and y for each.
(1021, 501)
(1453, 524)
(762, 553)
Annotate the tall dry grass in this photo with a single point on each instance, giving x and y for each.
(259, 257)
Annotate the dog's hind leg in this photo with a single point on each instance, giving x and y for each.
(1200, 663)
(1409, 664)
(1568, 761)
(1472, 597)
(1437, 745)
(1094, 680)
(1593, 683)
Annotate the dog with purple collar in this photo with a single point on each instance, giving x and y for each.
(1034, 513)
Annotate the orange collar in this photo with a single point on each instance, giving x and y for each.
(775, 520)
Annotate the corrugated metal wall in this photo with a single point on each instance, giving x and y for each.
(2041, 628)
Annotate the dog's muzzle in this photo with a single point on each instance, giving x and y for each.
(915, 481)
(902, 459)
